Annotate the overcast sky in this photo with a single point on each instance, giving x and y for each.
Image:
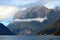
(47, 3)
(25, 2)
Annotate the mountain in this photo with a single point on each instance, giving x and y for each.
(53, 29)
(34, 26)
(57, 8)
(4, 30)
(19, 15)
(33, 12)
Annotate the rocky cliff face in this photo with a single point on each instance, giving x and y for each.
(53, 29)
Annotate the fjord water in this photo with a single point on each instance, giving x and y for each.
(29, 37)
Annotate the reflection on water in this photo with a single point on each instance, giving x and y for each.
(29, 37)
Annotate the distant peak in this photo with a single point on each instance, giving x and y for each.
(1, 24)
(57, 8)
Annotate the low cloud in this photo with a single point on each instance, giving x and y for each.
(52, 4)
(31, 19)
(7, 11)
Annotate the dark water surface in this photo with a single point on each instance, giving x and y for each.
(29, 37)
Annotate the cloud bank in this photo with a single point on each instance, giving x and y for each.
(7, 11)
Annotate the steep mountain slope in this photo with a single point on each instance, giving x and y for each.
(53, 29)
(33, 12)
(4, 30)
(19, 15)
(34, 26)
